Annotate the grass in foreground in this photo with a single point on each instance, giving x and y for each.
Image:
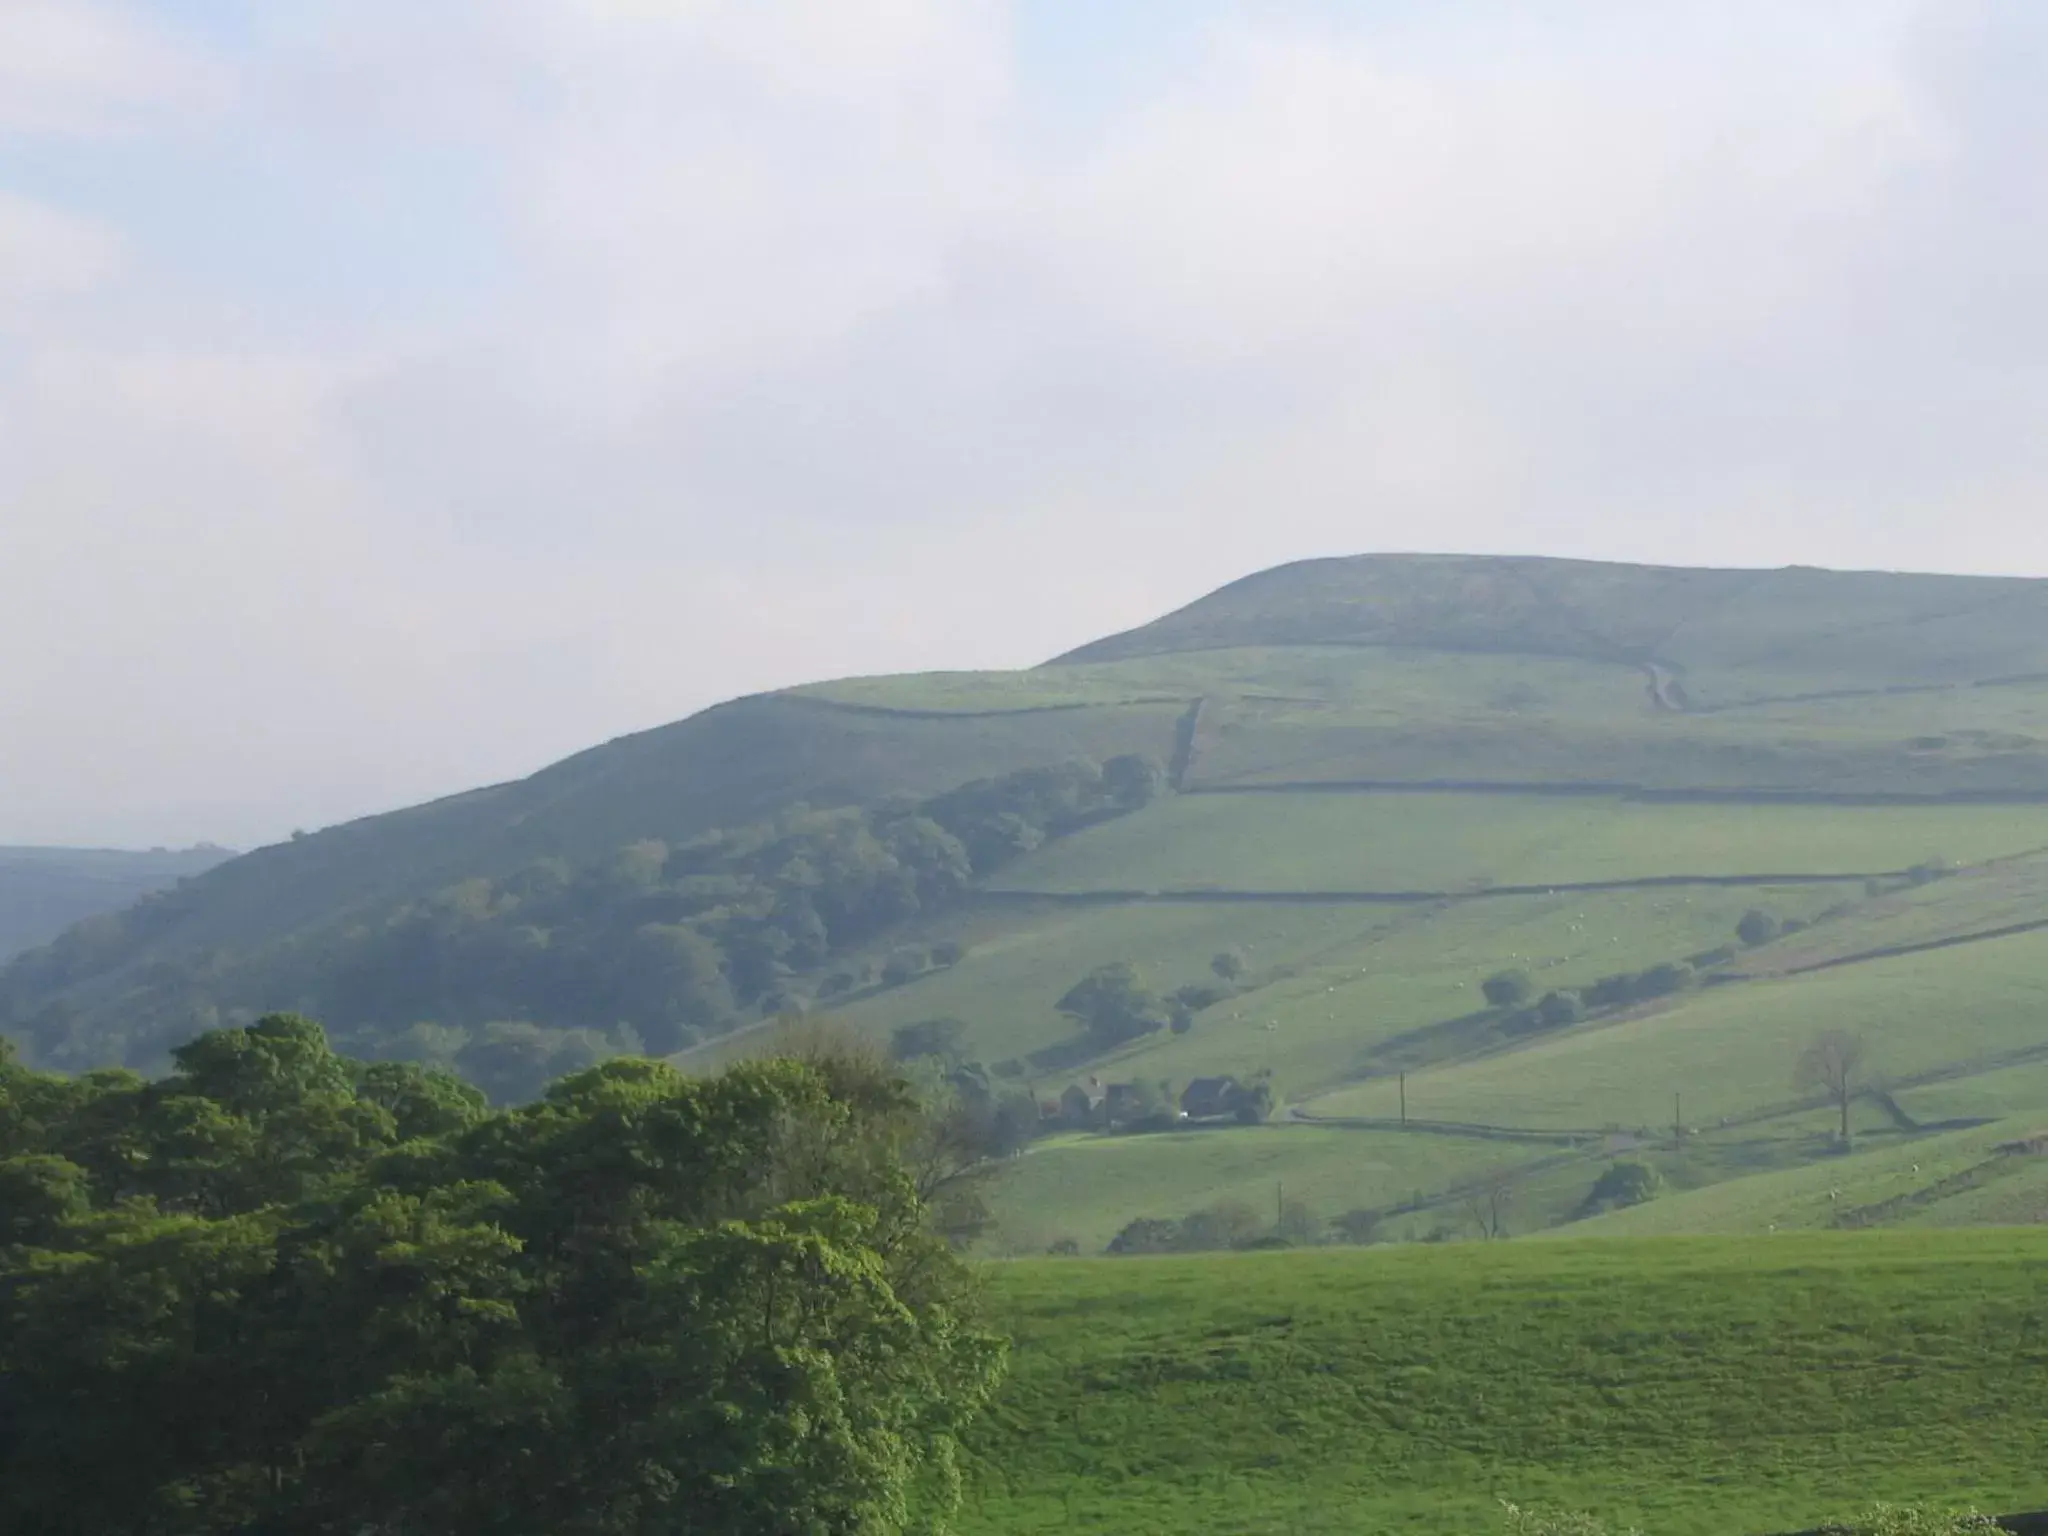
(1686, 1385)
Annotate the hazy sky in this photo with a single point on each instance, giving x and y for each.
(395, 396)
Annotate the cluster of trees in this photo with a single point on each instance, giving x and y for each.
(676, 940)
(1622, 1183)
(1513, 994)
(281, 1290)
(993, 1118)
(1112, 1004)
(1224, 1225)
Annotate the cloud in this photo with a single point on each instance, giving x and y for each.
(775, 341)
(84, 68)
(46, 254)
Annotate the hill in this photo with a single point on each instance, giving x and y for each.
(1359, 787)
(43, 891)
(1693, 1386)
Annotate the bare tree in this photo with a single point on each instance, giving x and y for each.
(1836, 1061)
(1487, 1209)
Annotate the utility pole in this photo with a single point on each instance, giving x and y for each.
(1404, 1098)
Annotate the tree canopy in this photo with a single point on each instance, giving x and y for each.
(280, 1290)
(530, 974)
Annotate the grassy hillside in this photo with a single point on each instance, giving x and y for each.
(43, 891)
(1696, 1386)
(1386, 779)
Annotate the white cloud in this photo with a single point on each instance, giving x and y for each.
(47, 254)
(83, 67)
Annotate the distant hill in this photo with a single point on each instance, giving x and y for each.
(1300, 822)
(43, 891)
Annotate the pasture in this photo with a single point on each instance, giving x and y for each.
(1327, 986)
(1085, 1188)
(1731, 1051)
(1336, 841)
(1697, 1386)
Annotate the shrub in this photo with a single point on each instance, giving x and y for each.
(1228, 964)
(1559, 1009)
(1663, 980)
(1623, 1184)
(1148, 1234)
(1757, 927)
(1507, 989)
(947, 952)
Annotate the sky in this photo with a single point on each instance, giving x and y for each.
(395, 398)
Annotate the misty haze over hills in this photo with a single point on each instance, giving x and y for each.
(45, 890)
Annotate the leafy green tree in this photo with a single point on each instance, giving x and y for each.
(1507, 989)
(1254, 1102)
(1113, 1004)
(1622, 1184)
(1555, 1010)
(1757, 927)
(1133, 780)
(672, 976)
(1228, 964)
(1663, 980)
(928, 1037)
(643, 1303)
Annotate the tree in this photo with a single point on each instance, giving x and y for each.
(1228, 964)
(1253, 1103)
(1146, 1234)
(1664, 979)
(672, 976)
(928, 1037)
(1621, 1184)
(1507, 989)
(1489, 1207)
(1226, 1224)
(1558, 1009)
(1757, 927)
(1835, 1062)
(1132, 780)
(644, 1303)
(1113, 1004)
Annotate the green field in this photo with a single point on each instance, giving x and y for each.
(1082, 1188)
(1330, 983)
(1455, 842)
(1731, 1051)
(1698, 1386)
(1833, 1190)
